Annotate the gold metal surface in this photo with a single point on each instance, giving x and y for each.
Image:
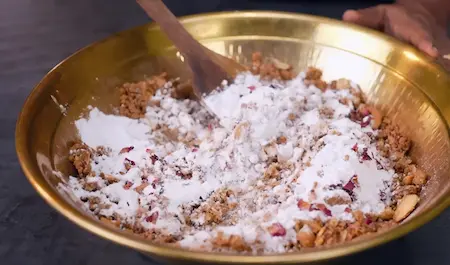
(404, 83)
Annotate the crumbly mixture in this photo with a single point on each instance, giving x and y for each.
(292, 163)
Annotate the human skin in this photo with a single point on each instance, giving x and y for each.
(422, 23)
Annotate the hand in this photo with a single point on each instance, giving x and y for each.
(412, 24)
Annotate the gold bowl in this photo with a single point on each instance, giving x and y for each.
(404, 83)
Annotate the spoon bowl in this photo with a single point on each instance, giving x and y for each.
(208, 69)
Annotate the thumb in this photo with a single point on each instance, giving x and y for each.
(372, 17)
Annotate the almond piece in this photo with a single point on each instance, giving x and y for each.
(377, 117)
(405, 207)
(387, 214)
(238, 130)
(342, 83)
(110, 178)
(420, 177)
(306, 238)
(408, 180)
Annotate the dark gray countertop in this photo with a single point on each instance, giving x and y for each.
(34, 36)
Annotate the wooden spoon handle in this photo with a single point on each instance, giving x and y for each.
(185, 43)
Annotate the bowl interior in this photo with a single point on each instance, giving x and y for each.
(402, 82)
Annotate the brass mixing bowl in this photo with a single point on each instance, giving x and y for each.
(404, 83)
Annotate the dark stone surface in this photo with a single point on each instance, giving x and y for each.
(34, 36)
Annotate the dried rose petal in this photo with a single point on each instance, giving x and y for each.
(252, 88)
(276, 229)
(131, 162)
(128, 185)
(126, 149)
(355, 116)
(210, 127)
(349, 186)
(364, 111)
(154, 158)
(368, 220)
(148, 150)
(320, 207)
(183, 175)
(366, 121)
(348, 210)
(194, 149)
(365, 156)
(152, 218)
(324, 209)
(302, 205)
(355, 148)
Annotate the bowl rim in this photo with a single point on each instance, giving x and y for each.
(54, 199)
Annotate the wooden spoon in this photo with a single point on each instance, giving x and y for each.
(209, 69)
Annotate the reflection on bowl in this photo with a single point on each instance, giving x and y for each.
(406, 85)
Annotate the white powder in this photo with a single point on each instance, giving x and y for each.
(111, 131)
(318, 155)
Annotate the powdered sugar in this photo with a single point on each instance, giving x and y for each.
(277, 144)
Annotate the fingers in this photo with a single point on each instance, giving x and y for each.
(426, 46)
(395, 20)
(443, 45)
(413, 32)
(372, 17)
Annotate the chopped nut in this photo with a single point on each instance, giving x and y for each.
(342, 83)
(126, 149)
(109, 178)
(359, 216)
(141, 187)
(314, 225)
(134, 97)
(320, 238)
(387, 214)
(313, 74)
(80, 156)
(256, 56)
(306, 238)
(273, 171)
(337, 200)
(377, 117)
(408, 180)
(238, 130)
(402, 191)
(420, 178)
(234, 242)
(291, 116)
(405, 207)
(302, 205)
(281, 140)
(286, 74)
(90, 186)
